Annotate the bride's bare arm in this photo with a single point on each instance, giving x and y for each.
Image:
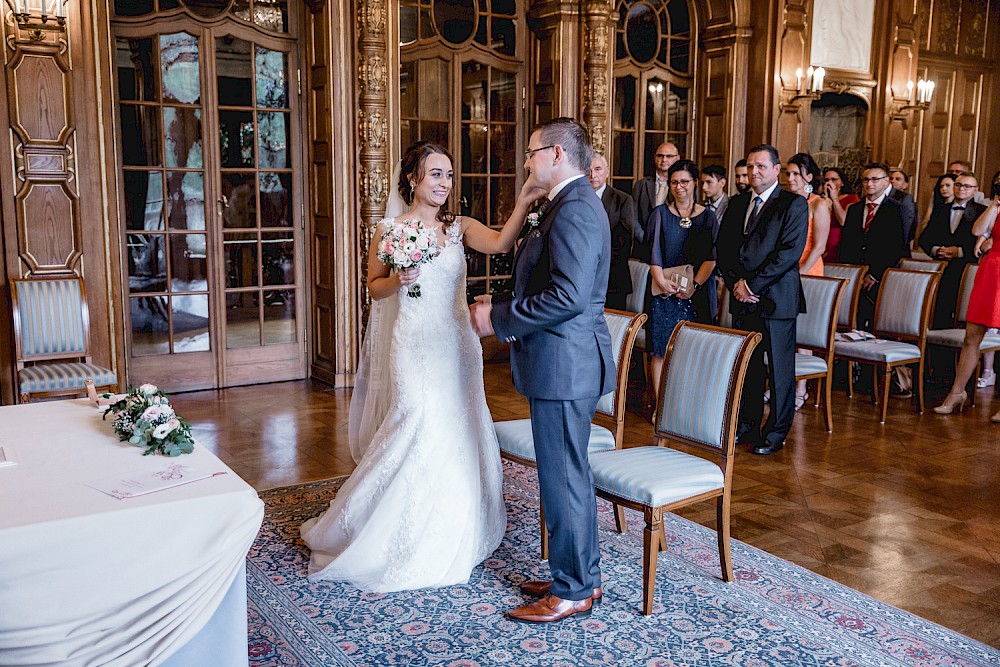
(490, 241)
(382, 282)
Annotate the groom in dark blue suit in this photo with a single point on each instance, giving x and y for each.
(561, 358)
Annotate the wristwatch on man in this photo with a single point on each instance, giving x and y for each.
(697, 285)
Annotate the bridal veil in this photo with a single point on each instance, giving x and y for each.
(370, 400)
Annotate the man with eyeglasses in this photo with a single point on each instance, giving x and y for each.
(948, 236)
(873, 236)
(648, 193)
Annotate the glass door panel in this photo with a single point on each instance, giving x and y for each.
(211, 223)
(159, 87)
(256, 178)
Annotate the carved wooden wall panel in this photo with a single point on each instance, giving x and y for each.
(49, 232)
(965, 115)
(791, 130)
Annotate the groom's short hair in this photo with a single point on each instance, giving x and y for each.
(572, 136)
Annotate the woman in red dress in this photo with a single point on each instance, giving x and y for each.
(984, 303)
(838, 191)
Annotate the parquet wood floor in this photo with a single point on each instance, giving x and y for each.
(906, 512)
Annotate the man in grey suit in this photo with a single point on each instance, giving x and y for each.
(561, 358)
(760, 242)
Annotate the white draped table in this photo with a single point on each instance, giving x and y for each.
(86, 579)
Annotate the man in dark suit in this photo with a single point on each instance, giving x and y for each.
(648, 193)
(561, 358)
(621, 216)
(948, 236)
(713, 192)
(873, 236)
(760, 242)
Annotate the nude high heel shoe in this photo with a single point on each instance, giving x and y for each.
(951, 402)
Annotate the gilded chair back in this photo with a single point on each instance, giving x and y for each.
(639, 272)
(965, 293)
(847, 313)
(814, 329)
(903, 307)
(50, 319)
(703, 371)
(916, 264)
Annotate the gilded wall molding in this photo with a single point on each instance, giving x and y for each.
(597, 71)
(372, 128)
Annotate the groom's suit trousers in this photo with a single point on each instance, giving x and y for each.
(561, 432)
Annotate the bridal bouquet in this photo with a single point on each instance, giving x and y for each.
(145, 419)
(405, 244)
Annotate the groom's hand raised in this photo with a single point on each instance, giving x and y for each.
(480, 313)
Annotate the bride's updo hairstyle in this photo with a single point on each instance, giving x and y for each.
(412, 164)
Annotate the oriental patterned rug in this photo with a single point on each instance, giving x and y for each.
(776, 613)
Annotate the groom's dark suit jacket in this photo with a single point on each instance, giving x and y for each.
(560, 345)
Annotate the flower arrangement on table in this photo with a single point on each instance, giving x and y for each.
(405, 244)
(145, 418)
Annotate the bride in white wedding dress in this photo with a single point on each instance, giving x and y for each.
(425, 505)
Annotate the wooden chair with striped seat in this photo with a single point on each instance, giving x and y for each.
(847, 314)
(608, 430)
(902, 312)
(814, 331)
(915, 264)
(52, 339)
(954, 338)
(703, 372)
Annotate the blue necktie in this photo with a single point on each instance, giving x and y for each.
(753, 215)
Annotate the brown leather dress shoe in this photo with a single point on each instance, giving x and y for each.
(540, 589)
(550, 609)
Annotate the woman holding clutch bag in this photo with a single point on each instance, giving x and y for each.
(683, 258)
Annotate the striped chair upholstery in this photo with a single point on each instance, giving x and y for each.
(704, 368)
(954, 338)
(847, 313)
(913, 264)
(52, 338)
(636, 301)
(515, 437)
(814, 331)
(902, 312)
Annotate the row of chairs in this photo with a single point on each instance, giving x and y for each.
(658, 479)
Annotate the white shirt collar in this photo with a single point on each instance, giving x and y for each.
(556, 190)
(600, 191)
(765, 195)
(881, 198)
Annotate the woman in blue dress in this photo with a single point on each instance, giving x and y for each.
(683, 234)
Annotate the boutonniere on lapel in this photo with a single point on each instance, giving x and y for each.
(533, 220)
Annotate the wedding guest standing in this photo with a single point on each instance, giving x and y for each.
(837, 189)
(682, 237)
(984, 304)
(802, 174)
(949, 237)
(650, 192)
(760, 242)
(621, 217)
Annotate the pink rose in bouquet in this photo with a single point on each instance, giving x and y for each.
(405, 244)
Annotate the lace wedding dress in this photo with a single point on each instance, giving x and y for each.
(425, 505)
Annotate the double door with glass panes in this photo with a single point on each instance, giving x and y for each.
(212, 223)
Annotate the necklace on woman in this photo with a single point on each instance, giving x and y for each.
(685, 220)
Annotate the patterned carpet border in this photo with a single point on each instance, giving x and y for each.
(776, 613)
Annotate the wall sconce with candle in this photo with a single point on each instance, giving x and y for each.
(809, 87)
(918, 98)
(36, 17)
